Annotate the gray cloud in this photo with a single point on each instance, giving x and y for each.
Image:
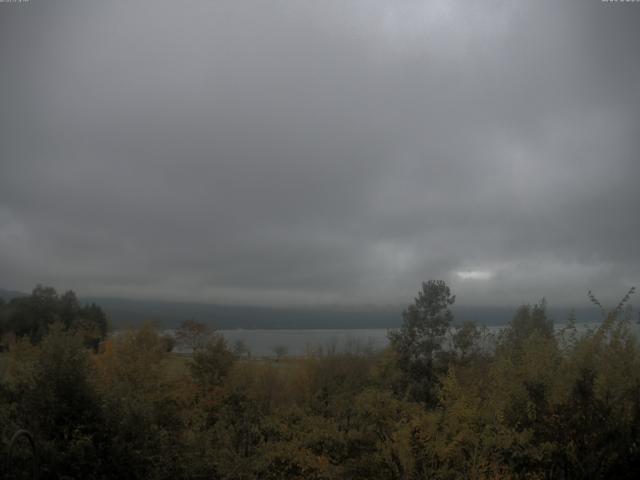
(320, 152)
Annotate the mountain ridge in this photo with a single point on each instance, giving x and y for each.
(129, 312)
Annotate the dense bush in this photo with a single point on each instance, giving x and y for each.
(531, 402)
(32, 315)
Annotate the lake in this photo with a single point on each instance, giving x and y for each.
(297, 342)
(261, 343)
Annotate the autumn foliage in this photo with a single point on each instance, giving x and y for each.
(444, 401)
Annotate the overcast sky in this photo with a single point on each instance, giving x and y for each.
(293, 152)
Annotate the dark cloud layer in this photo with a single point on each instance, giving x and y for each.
(320, 152)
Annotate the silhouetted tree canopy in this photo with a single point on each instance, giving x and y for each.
(31, 316)
(419, 341)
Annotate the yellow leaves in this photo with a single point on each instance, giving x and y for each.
(19, 363)
(530, 411)
(134, 378)
(285, 460)
(337, 416)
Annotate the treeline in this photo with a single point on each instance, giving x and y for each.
(32, 316)
(441, 402)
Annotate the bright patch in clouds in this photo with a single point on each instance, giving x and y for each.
(474, 275)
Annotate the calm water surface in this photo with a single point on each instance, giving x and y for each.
(262, 343)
